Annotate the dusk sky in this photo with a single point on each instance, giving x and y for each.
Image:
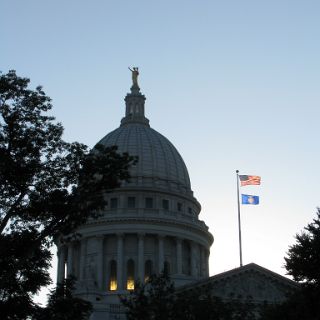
(232, 84)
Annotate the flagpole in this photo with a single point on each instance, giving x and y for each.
(239, 219)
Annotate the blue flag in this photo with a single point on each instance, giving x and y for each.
(248, 199)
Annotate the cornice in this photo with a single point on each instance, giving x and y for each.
(148, 221)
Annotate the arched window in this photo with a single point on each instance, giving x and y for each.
(130, 274)
(186, 258)
(147, 270)
(167, 267)
(113, 275)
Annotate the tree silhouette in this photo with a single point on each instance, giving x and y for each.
(303, 264)
(48, 187)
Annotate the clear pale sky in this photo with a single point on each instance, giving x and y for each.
(232, 84)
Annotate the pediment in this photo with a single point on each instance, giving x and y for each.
(252, 282)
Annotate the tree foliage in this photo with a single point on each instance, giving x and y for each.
(48, 187)
(151, 300)
(303, 260)
(303, 264)
(62, 305)
(158, 299)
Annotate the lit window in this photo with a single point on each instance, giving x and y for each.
(113, 276)
(130, 274)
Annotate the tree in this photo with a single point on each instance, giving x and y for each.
(151, 300)
(303, 264)
(303, 260)
(158, 299)
(48, 187)
(62, 305)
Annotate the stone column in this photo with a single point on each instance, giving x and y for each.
(83, 251)
(179, 255)
(61, 264)
(202, 262)
(207, 262)
(120, 261)
(100, 262)
(193, 259)
(141, 257)
(161, 253)
(70, 260)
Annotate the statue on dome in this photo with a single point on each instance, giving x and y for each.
(135, 73)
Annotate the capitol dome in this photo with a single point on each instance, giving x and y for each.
(149, 224)
(158, 159)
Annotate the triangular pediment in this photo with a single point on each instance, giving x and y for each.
(250, 282)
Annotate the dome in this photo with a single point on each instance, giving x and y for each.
(149, 224)
(158, 159)
(159, 164)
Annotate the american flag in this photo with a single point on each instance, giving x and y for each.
(247, 180)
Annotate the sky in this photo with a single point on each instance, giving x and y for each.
(234, 85)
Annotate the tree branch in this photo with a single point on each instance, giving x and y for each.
(10, 213)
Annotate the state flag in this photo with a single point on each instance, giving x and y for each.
(249, 199)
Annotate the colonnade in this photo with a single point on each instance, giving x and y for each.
(67, 260)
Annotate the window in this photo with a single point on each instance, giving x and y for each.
(130, 274)
(147, 270)
(179, 206)
(113, 203)
(113, 276)
(167, 267)
(186, 258)
(149, 203)
(131, 202)
(165, 204)
(189, 210)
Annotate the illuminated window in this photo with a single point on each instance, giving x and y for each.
(113, 276)
(130, 274)
(147, 270)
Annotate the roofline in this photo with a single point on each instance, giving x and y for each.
(235, 271)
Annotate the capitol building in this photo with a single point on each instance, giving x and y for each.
(151, 223)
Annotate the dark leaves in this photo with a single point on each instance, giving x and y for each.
(48, 187)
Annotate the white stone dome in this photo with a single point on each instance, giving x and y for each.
(158, 160)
